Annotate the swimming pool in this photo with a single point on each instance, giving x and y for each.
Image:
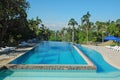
(49, 55)
(48, 52)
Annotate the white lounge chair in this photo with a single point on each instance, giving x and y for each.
(118, 49)
(6, 49)
(109, 47)
(11, 48)
(23, 44)
(115, 48)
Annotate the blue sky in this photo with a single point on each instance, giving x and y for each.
(55, 14)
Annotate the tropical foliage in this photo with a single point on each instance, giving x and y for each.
(91, 32)
(72, 23)
(15, 27)
(12, 20)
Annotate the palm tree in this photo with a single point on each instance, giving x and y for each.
(117, 28)
(101, 28)
(63, 33)
(72, 23)
(38, 21)
(85, 20)
(111, 28)
(68, 35)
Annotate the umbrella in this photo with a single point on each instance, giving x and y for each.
(110, 38)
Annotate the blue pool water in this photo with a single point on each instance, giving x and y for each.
(97, 59)
(42, 75)
(51, 53)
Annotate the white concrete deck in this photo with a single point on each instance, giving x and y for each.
(4, 58)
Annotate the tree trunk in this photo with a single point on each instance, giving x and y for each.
(87, 35)
(73, 35)
(102, 38)
(4, 29)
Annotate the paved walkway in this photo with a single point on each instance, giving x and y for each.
(6, 58)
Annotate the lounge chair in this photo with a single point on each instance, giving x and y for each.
(34, 40)
(118, 49)
(29, 41)
(11, 48)
(109, 47)
(6, 49)
(115, 48)
(23, 44)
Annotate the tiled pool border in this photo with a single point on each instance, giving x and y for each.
(51, 67)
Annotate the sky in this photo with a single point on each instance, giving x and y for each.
(55, 14)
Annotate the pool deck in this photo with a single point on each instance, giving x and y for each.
(111, 56)
(6, 58)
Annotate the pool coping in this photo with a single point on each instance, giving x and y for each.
(89, 62)
(50, 67)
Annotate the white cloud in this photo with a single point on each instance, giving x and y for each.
(55, 26)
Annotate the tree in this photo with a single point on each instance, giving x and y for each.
(101, 29)
(38, 21)
(85, 20)
(117, 28)
(33, 29)
(68, 34)
(72, 23)
(63, 33)
(10, 11)
(44, 33)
